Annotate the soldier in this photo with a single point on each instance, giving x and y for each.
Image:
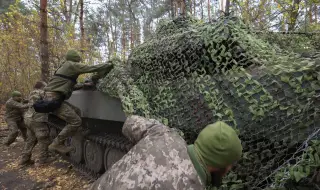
(37, 129)
(14, 118)
(161, 158)
(60, 88)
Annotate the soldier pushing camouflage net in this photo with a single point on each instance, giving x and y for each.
(193, 73)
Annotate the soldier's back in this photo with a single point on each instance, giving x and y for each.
(31, 114)
(11, 111)
(158, 161)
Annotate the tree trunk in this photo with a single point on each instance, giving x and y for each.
(209, 10)
(44, 52)
(227, 7)
(246, 12)
(76, 15)
(283, 24)
(172, 9)
(194, 7)
(137, 33)
(115, 35)
(111, 48)
(183, 7)
(64, 9)
(131, 37)
(81, 26)
(316, 14)
(123, 41)
(293, 15)
(70, 12)
(201, 5)
(310, 14)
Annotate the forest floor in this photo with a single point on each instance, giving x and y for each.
(56, 175)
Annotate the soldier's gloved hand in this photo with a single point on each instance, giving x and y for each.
(88, 84)
(78, 86)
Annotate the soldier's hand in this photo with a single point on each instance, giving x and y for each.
(88, 84)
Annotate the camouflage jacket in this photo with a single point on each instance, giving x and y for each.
(31, 114)
(15, 110)
(159, 160)
(73, 70)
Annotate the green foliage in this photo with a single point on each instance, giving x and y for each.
(305, 166)
(5, 4)
(298, 43)
(191, 74)
(20, 46)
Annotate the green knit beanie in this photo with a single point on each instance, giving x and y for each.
(73, 55)
(16, 94)
(218, 145)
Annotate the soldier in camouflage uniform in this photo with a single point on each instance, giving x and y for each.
(60, 87)
(162, 160)
(38, 131)
(14, 118)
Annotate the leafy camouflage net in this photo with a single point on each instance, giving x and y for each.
(191, 74)
(299, 43)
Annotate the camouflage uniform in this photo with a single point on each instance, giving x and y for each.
(61, 87)
(14, 119)
(38, 131)
(159, 160)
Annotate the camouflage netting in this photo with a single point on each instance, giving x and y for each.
(191, 74)
(299, 43)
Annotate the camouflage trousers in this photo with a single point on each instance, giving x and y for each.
(37, 132)
(71, 115)
(14, 127)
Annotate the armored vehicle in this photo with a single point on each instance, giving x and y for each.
(190, 74)
(99, 143)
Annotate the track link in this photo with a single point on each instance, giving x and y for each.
(106, 141)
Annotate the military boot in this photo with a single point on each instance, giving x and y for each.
(25, 160)
(8, 141)
(45, 161)
(57, 145)
(5, 143)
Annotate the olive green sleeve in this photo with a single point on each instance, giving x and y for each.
(78, 86)
(17, 105)
(83, 68)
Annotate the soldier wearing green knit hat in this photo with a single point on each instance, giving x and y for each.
(14, 117)
(60, 88)
(214, 152)
(16, 94)
(161, 159)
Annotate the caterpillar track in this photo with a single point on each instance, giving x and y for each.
(93, 153)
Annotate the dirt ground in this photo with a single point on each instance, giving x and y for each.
(57, 175)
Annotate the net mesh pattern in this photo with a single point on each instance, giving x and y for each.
(305, 43)
(191, 74)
